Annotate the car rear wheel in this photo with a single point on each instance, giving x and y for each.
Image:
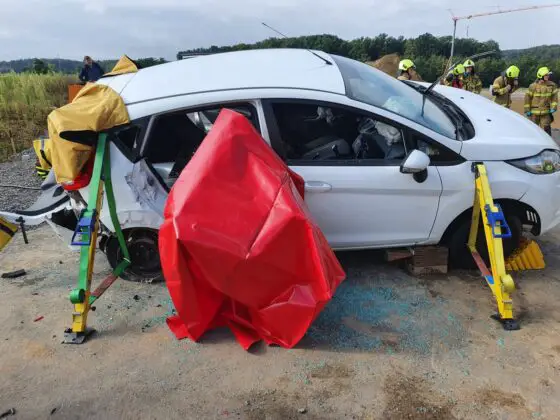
(459, 253)
(142, 245)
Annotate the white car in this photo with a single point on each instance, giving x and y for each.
(385, 164)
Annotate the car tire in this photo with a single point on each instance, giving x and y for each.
(459, 253)
(142, 245)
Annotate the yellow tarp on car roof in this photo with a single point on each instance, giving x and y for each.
(124, 65)
(73, 128)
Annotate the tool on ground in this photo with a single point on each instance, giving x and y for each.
(7, 232)
(495, 229)
(14, 274)
(85, 236)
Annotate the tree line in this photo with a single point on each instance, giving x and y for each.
(429, 53)
(55, 65)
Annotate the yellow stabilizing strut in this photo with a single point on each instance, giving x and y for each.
(495, 229)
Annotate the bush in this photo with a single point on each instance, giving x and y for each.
(25, 101)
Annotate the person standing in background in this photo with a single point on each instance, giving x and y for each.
(407, 71)
(471, 81)
(455, 77)
(91, 71)
(541, 100)
(504, 85)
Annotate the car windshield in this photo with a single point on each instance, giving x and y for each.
(366, 84)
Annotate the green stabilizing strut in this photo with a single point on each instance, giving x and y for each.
(78, 295)
(101, 168)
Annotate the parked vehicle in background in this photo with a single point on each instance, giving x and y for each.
(385, 164)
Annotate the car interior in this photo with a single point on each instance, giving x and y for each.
(175, 138)
(317, 133)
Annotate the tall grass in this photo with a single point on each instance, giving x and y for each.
(25, 102)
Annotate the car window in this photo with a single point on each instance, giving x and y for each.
(313, 133)
(365, 84)
(175, 137)
(439, 155)
(129, 137)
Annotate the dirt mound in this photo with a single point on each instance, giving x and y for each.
(388, 64)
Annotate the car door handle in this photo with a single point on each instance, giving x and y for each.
(317, 186)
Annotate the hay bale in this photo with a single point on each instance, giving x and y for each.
(388, 64)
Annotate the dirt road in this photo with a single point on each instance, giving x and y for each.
(389, 346)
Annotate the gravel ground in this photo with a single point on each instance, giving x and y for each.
(389, 346)
(19, 171)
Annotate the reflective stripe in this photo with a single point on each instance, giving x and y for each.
(543, 95)
(540, 111)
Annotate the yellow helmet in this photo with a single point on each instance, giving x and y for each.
(543, 71)
(459, 69)
(513, 72)
(468, 63)
(406, 64)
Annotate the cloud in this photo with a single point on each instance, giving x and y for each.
(140, 28)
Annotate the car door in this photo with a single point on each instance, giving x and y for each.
(359, 199)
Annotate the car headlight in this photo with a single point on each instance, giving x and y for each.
(546, 162)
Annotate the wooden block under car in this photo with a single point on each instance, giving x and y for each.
(428, 260)
(397, 254)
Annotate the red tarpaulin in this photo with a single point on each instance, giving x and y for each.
(238, 246)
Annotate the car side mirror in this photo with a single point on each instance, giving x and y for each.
(416, 163)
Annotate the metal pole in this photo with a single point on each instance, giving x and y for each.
(453, 41)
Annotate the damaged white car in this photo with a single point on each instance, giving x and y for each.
(385, 164)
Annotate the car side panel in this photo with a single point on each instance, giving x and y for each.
(506, 181)
(544, 196)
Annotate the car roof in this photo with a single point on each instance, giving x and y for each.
(253, 69)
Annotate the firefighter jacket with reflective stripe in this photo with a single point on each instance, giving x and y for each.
(499, 90)
(472, 83)
(541, 98)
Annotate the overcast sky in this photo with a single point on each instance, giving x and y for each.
(160, 28)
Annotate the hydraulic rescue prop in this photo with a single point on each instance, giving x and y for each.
(495, 229)
(85, 236)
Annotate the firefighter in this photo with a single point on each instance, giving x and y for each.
(455, 77)
(471, 81)
(406, 67)
(504, 85)
(541, 100)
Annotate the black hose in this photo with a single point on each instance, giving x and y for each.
(20, 187)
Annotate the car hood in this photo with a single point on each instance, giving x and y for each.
(500, 134)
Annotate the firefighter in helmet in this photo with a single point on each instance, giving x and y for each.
(471, 81)
(407, 70)
(455, 77)
(541, 100)
(504, 85)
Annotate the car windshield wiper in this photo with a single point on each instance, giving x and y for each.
(427, 91)
(431, 87)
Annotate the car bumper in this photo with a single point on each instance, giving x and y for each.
(544, 197)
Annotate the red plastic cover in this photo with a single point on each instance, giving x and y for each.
(238, 246)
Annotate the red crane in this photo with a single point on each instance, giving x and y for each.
(497, 12)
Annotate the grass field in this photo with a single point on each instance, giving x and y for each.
(25, 102)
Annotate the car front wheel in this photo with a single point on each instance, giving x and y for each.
(459, 253)
(143, 248)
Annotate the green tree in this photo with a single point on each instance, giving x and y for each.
(39, 67)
